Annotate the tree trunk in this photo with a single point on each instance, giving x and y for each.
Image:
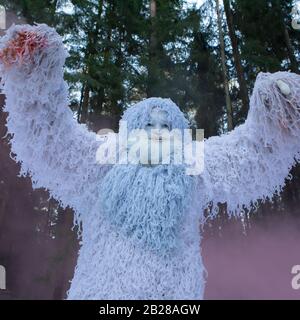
(90, 51)
(224, 69)
(85, 104)
(237, 59)
(152, 50)
(290, 49)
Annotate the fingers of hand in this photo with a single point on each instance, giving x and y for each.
(22, 47)
(284, 87)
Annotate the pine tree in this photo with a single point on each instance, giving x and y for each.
(224, 68)
(243, 91)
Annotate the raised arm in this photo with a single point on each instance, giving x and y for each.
(252, 162)
(57, 152)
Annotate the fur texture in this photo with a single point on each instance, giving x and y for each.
(251, 163)
(151, 210)
(133, 215)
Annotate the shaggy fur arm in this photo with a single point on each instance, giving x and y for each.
(252, 162)
(57, 152)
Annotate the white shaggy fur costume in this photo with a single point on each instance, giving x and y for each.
(131, 214)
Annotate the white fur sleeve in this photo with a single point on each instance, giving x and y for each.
(57, 152)
(252, 162)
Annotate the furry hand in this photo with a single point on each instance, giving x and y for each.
(284, 87)
(22, 47)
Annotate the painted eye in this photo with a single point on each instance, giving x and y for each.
(149, 125)
(267, 102)
(165, 126)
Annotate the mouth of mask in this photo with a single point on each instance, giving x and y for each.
(153, 150)
(157, 138)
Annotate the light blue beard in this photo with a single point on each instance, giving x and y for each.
(147, 203)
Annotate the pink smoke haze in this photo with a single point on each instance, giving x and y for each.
(39, 266)
(253, 266)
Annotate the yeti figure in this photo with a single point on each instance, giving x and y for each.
(140, 223)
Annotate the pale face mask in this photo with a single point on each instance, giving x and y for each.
(158, 126)
(157, 143)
